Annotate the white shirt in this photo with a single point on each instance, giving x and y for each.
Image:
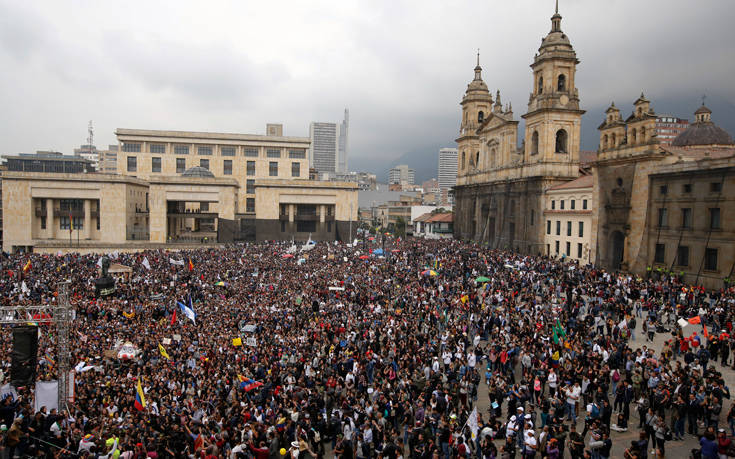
(552, 380)
(573, 394)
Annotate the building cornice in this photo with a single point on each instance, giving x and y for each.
(143, 135)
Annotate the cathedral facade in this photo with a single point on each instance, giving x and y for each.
(499, 196)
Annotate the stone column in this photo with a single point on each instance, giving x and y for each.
(322, 212)
(50, 228)
(291, 212)
(87, 219)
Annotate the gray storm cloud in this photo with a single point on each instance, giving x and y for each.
(401, 67)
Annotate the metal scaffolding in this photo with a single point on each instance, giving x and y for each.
(61, 315)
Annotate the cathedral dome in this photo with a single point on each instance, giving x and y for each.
(702, 132)
(198, 172)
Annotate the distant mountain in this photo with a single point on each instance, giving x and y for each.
(424, 161)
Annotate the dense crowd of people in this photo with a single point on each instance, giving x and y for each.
(433, 349)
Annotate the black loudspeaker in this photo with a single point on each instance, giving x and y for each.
(24, 357)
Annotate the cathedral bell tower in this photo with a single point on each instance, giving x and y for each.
(476, 106)
(554, 119)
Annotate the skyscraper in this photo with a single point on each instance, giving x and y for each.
(323, 138)
(402, 175)
(342, 139)
(447, 173)
(329, 146)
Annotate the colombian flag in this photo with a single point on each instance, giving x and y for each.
(27, 266)
(555, 359)
(139, 397)
(248, 384)
(191, 265)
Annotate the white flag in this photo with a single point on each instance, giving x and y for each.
(472, 423)
(146, 264)
(114, 255)
(188, 311)
(99, 262)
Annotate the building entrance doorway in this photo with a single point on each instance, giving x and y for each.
(617, 248)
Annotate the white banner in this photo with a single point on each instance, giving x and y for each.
(176, 262)
(251, 342)
(47, 394)
(8, 390)
(472, 423)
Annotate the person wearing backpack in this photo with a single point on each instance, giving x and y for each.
(615, 379)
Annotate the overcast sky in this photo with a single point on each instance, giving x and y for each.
(400, 67)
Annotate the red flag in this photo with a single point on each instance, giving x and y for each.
(695, 320)
(191, 265)
(704, 331)
(173, 318)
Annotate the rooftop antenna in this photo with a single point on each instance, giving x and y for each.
(704, 98)
(478, 56)
(557, 7)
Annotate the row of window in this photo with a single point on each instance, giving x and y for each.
(560, 146)
(226, 166)
(682, 256)
(715, 219)
(686, 188)
(568, 251)
(208, 150)
(580, 228)
(572, 204)
(561, 83)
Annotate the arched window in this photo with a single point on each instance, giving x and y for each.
(614, 142)
(634, 137)
(461, 166)
(604, 142)
(561, 141)
(561, 83)
(477, 159)
(480, 116)
(534, 143)
(540, 85)
(643, 135)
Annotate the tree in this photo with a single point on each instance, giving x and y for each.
(400, 227)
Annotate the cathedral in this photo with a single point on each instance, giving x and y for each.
(500, 187)
(656, 210)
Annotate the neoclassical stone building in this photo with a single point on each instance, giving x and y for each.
(500, 188)
(665, 209)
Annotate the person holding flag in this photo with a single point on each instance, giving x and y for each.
(558, 332)
(188, 310)
(163, 352)
(140, 403)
